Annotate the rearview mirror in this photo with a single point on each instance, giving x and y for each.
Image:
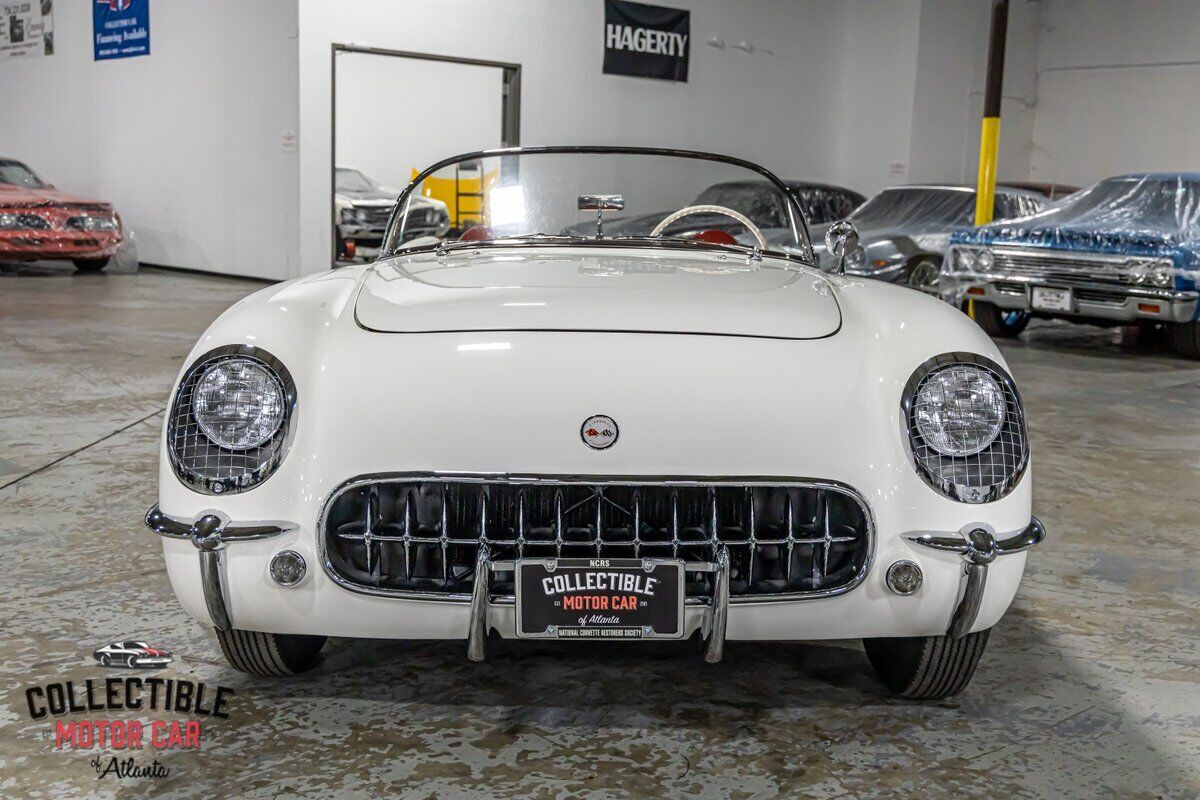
(841, 238)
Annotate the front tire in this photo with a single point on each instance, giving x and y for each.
(926, 667)
(1000, 323)
(1185, 337)
(276, 654)
(90, 264)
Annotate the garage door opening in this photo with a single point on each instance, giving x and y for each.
(395, 113)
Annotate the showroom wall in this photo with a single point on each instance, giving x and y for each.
(1116, 89)
(379, 96)
(188, 142)
(771, 107)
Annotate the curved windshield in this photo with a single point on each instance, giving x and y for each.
(14, 173)
(615, 196)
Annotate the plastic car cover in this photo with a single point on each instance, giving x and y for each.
(916, 209)
(1156, 214)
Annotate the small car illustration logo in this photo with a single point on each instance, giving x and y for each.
(132, 655)
(599, 432)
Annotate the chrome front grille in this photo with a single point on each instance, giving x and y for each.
(1059, 265)
(420, 535)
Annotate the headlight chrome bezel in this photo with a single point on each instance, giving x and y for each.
(202, 464)
(983, 476)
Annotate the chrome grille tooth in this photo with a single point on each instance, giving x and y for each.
(675, 523)
(559, 521)
(819, 514)
(637, 524)
(445, 535)
(599, 519)
(408, 536)
(828, 538)
(368, 528)
(753, 540)
(789, 521)
(521, 522)
(713, 520)
(483, 498)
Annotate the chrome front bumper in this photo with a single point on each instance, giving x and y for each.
(1091, 299)
(211, 531)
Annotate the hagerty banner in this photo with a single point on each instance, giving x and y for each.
(26, 28)
(647, 41)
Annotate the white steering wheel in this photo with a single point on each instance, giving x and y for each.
(729, 212)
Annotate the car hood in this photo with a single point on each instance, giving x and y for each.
(22, 196)
(597, 289)
(1132, 241)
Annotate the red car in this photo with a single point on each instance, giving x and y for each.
(39, 222)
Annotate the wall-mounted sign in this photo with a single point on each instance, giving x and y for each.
(26, 28)
(120, 28)
(647, 41)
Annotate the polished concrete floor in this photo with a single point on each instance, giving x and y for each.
(1090, 686)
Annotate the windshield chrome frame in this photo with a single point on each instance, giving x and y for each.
(799, 225)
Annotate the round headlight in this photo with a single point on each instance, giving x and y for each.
(1162, 274)
(965, 427)
(239, 404)
(964, 260)
(985, 260)
(1136, 273)
(959, 410)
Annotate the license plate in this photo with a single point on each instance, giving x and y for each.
(600, 598)
(1049, 299)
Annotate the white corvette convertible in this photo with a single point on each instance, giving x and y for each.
(529, 432)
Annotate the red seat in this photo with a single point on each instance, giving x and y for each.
(711, 236)
(477, 233)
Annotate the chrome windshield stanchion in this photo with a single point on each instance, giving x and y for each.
(979, 548)
(714, 650)
(477, 632)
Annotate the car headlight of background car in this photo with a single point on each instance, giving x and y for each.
(1157, 272)
(231, 420)
(15, 220)
(94, 222)
(965, 427)
(970, 259)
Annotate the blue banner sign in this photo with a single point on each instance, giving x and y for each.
(120, 28)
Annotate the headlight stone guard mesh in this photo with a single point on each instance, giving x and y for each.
(203, 465)
(984, 476)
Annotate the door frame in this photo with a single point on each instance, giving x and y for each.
(510, 108)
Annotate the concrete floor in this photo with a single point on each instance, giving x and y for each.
(1090, 686)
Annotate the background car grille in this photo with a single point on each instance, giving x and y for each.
(375, 215)
(423, 535)
(1054, 265)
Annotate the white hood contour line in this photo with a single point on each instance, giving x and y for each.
(577, 288)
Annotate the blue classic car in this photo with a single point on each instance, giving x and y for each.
(1124, 251)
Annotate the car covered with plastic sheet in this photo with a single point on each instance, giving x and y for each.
(1126, 250)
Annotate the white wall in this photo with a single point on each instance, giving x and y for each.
(770, 108)
(385, 126)
(185, 142)
(1118, 89)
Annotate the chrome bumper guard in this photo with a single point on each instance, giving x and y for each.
(979, 547)
(717, 605)
(210, 531)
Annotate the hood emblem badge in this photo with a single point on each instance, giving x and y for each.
(599, 432)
